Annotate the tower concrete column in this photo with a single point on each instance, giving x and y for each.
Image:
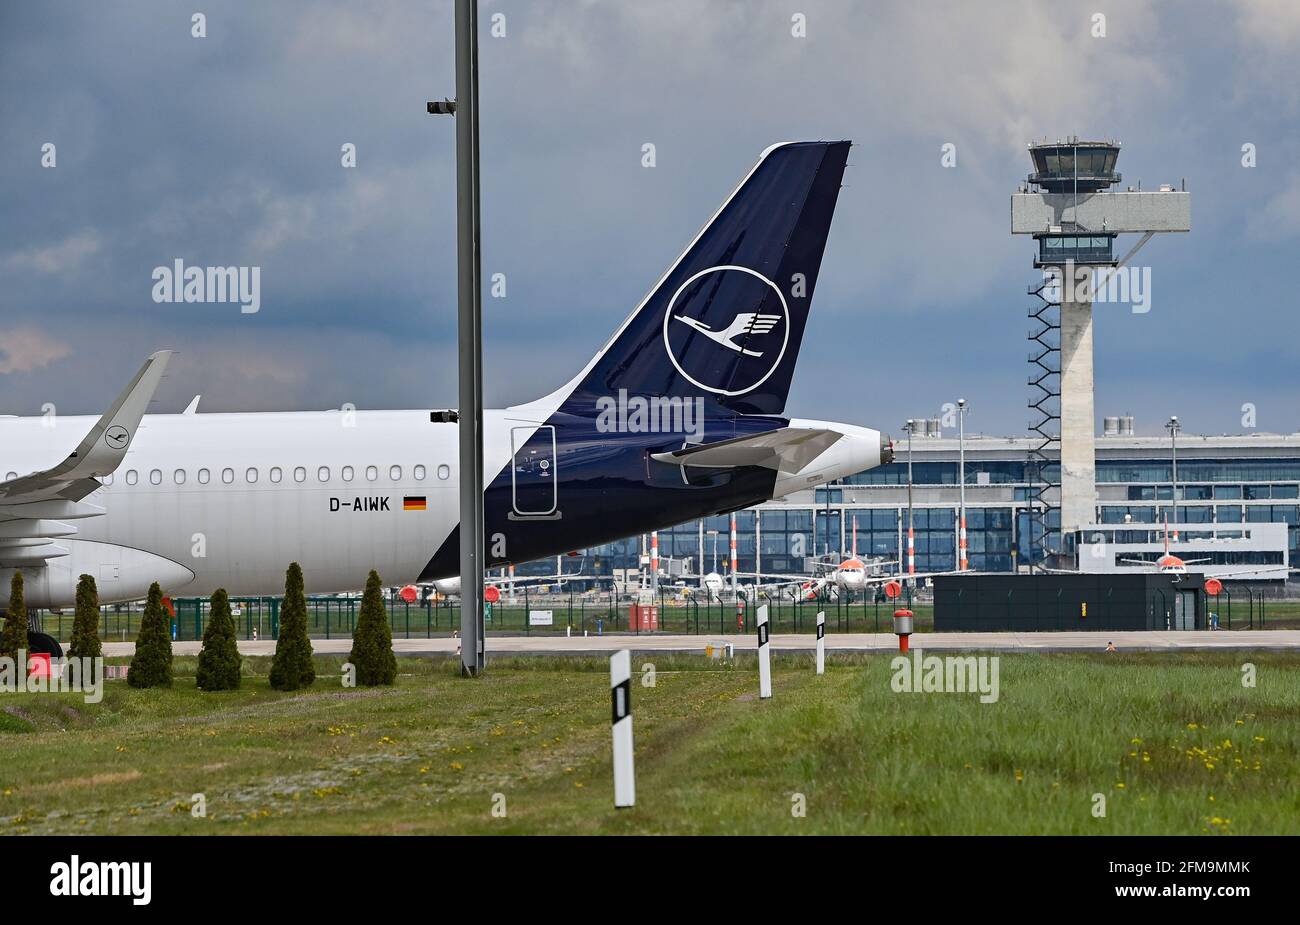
(1071, 206)
(1078, 432)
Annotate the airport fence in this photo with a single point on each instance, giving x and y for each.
(597, 613)
(527, 613)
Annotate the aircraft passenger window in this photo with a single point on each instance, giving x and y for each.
(204, 475)
(251, 475)
(155, 476)
(227, 475)
(107, 480)
(299, 474)
(395, 472)
(323, 474)
(371, 473)
(444, 472)
(276, 474)
(132, 476)
(419, 473)
(347, 473)
(179, 476)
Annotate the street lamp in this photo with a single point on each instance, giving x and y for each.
(469, 326)
(961, 479)
(911, 536)
(1173, 428)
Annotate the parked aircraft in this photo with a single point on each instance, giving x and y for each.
(668, 422)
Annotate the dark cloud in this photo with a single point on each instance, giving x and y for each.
(225, 150)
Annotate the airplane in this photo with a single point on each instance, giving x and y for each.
(713, 583)
(848, 576)
(1168, 564)
(708, 586)
(450, 586)
(200, 501)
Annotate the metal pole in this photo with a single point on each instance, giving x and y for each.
(961, 478)
(1173, 446)
(827, 545)
(911, 536)
(654, 561)
(735, 587)
(701, 551)
(470, 329)
(898, 522)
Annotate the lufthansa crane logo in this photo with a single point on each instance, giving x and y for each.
(116, 436)
(726, 329)
(745, 323)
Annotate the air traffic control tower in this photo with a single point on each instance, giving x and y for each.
(1072, 207)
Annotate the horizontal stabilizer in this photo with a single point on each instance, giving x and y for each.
(787, 449)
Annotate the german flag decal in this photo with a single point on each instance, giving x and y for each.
(414, 503)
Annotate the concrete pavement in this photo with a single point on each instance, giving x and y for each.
(803, 642)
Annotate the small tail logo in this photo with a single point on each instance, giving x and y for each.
(745, 323)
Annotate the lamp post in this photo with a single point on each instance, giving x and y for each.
(1173, 428)
(699, 548)
(911, 536)
(961, 479)
(470, 334)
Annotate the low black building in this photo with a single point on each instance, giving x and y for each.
(1053, 603)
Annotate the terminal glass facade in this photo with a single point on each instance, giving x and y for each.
(785, 537)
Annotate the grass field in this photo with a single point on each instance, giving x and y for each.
(1175, 744)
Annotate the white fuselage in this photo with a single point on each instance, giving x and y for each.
(228, 500)
(207, 501)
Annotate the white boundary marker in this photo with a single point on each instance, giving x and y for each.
(821, 642)
(620, 693)
(764, 657)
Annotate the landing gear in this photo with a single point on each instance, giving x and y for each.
(43, 644)
(39, 643)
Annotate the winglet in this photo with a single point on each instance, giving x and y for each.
(100, 452)
(193, 406)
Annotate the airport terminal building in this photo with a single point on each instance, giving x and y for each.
(1222, 481)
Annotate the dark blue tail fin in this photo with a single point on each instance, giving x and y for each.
(726, 321)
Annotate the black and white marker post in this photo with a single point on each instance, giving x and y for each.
(764, 657)
(821, 642)
(620, 693)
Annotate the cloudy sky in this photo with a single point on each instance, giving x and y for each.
(226, 150)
